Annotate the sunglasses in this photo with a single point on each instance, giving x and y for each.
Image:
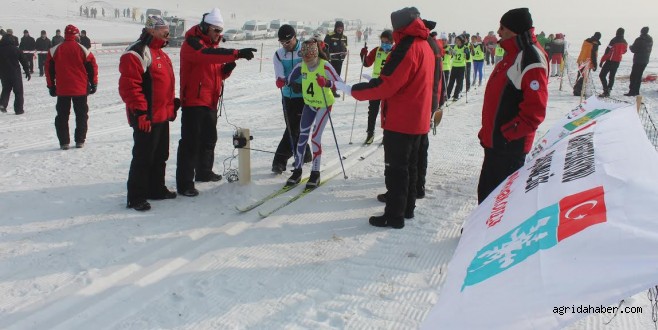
(218, 30)
(285, 43)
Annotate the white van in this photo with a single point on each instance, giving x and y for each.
(255, 29)
(276, 24)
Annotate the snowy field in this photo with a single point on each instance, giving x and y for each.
(73, 257)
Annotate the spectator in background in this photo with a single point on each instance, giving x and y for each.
(147, 86)
(586, 60)
(336, 43)
(556, 55)
(43, 44)
(641, 49)
(610, 61)
(28, 46)
(71, 75)
(84, 40)
(514, 103)
(10, 74)
(57, 39)
(490, 42)
(11, 36)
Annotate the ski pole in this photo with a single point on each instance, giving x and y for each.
(340, 157)
(356, 102)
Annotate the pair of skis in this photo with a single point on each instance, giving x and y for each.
(285, 189)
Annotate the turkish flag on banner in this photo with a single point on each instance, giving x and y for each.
(580, 211)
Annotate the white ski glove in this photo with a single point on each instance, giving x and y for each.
(343, 87)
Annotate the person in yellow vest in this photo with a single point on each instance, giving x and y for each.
(499, 53)
(447, 65)
(469, 60)
(460, 55)
(587, 60)
(478, 60)
(316, 78)
(376, 58)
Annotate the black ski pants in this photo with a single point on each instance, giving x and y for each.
(423, 149)
(42, 63)
(400, 173)
(496, 167)
(81, 110)
(456, 81)
(147, 168)
(636, 78)
(373, 112)
(338, 65)
(196, 148)
(292, 108)
(609, 70)
(13, 81)
(468, 76)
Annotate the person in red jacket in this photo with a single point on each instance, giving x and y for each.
(405, 88)
(71, 75)
(147, 85)
(514, 102)
(490, 41)
(610, 61)
(204, 66)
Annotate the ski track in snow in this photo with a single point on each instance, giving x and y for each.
(72, 256)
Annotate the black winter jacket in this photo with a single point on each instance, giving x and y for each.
(10, 57)
(27, 43)
(642, 49)
(43, 44)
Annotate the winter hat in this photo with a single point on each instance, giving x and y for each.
(286, 32)
(154, 22)
(71, 30)
(620, 32)
(214, 17)
(429, 24)
(444, 36)
(517, 20)
(10, 31)
(309, 48)
(339, 24)
(645, 30)
(597, 36)
(388, 34)
(26, 31)
(403, 17)
(43, 31)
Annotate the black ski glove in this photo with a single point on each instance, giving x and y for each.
(27, 75)
(228, 68)
(247, 53)
(52, 91)
(176, 107)
(92, 89)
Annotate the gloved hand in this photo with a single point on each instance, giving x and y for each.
(53, 91)
(247, 53)
(176, 107)
(144, 124)
(322, 81)
(594, 68)
(228, 68)
(600, 65)
(280, 82)
(92, 89)
(364, 52)
(343, 87)
(27, 75)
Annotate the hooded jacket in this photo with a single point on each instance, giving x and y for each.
(641, 47)
(71, 68)
(147, 82)
(589, 51)
(202, 70)
(516, 96)
(405, 83)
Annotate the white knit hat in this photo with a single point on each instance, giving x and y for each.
(214, 17)
(443, 35)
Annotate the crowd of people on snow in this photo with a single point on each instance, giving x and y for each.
(415, 73)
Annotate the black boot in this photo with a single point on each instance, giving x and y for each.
(370, 138)
(420, 192)
(164, 193)
(313, 180)
(385, 221)
(295, 178)
(381, 198)
(190, 192)
(139, 206)
(278, 168)
(210, 177)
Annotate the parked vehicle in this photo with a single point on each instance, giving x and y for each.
(255, 29)
(153, 12)
(276, 24)
(234, 34)
(176, 30)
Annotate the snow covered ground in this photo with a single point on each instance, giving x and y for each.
(73, 257)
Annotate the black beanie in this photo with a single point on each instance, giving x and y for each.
(286, 32)
(430, 25)
(388, 34)
(339, 24)
(403, 17)
(597, 36)
(620, 32)
(645, 30)
(25, 31)
(517, 20)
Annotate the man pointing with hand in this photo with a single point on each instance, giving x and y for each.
(204, 66)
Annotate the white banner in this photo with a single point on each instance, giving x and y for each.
(575, 230)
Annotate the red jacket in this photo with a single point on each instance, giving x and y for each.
(516, 95)
(71, 68)
(405, 83)
(147, 80)
(615, 50)
(201, 69)
(490, 41)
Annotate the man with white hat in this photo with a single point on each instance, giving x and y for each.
(204, 66)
